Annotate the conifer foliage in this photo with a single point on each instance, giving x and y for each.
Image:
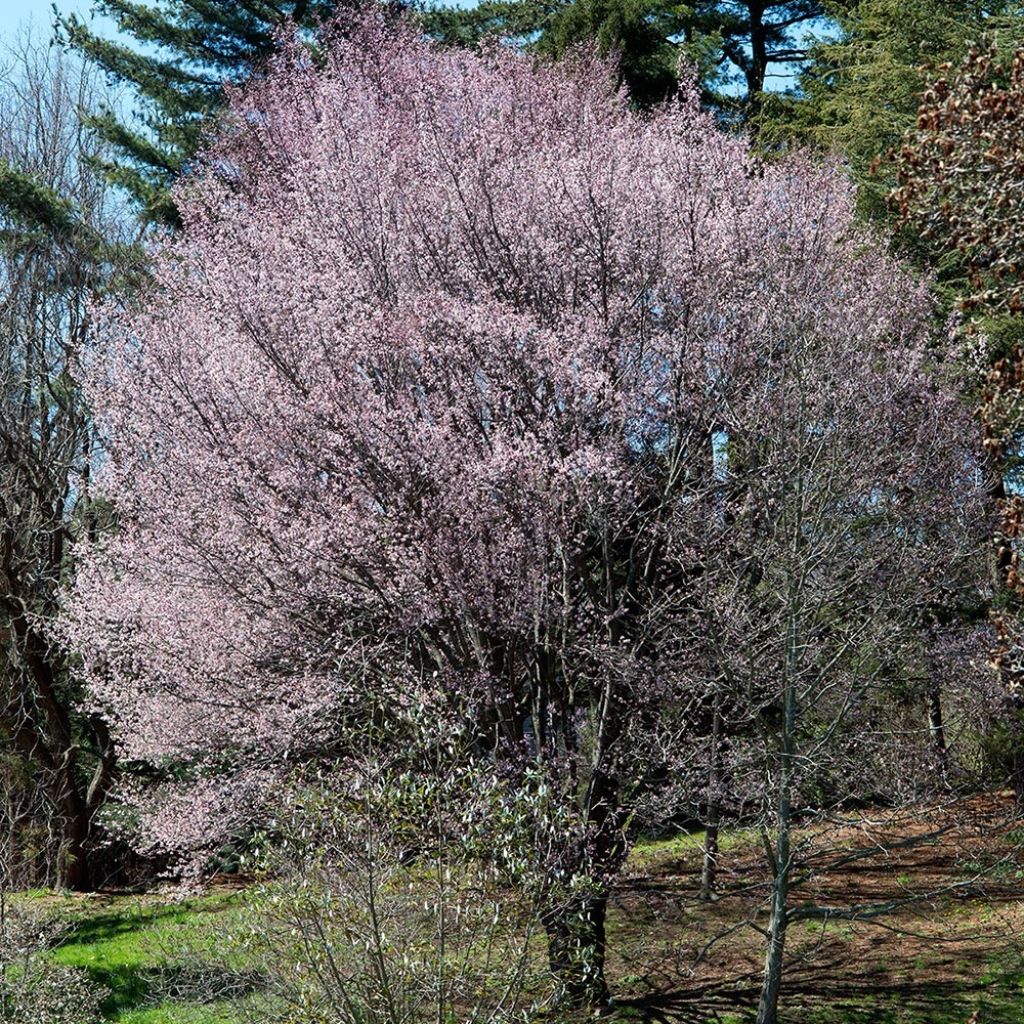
(861, 88)
(737, 47)
(181, 55)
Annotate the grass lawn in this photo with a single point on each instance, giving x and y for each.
(952, 959)
(125, 944)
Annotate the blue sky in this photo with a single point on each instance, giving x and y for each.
(14, 13)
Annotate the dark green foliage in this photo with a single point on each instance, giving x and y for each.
(861, 89)
(736, 46)
(181, 55)
(32, 203)
(33, 215)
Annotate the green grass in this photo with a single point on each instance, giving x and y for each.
(131, 945)
(181, 1013)
(659, 854)
(128, 946)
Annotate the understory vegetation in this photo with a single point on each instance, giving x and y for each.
(165, 958)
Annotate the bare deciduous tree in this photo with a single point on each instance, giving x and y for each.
(55, 258)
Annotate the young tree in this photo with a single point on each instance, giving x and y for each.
(846, 506)
(422, 411)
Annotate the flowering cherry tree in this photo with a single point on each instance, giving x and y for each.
(426, 409)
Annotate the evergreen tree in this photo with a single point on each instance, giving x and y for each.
(737, 46)
(181, 54)
(862, 87)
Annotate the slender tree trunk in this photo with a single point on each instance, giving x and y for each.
(780, 858)
(768, 1006)
(995, 493)
(936, 728)
(709, 872)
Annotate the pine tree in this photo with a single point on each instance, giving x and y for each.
(180, 55)
(736, 46)
(862, 87)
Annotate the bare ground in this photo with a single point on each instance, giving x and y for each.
(927, 923)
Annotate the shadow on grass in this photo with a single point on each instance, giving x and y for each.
(131, 988)
(111, 949)
(834, 993)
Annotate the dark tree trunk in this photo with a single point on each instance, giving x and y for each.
(575, 921)
(1004, 540)
(48, 741)
(758, 68)
(576, 949)
(778, 918)
(936, 728)
(780, 858)
(76, 868)
(1013, 710)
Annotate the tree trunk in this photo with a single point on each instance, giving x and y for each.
(576, 949)
(709, 872)
(768, 1007)
(936, 728)
(575, 924)
(758, 68)
(49, 742)
(75, 868)
(78, 812)
(780, 858)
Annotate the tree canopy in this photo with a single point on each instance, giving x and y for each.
(736, 47)
(423, 412)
